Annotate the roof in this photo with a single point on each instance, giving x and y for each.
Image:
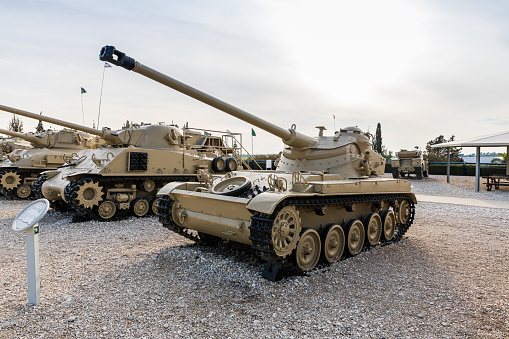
(491, 140)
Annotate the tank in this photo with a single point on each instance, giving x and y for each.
(51, 149)
(325, 201)
(122, 177)
(8, 145)
(408, 164)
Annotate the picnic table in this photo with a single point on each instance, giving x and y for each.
(494, 180)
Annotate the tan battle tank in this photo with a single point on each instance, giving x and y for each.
(8, 145)
(410, 162)
(124, 174)
(50, 150)
(325, 195)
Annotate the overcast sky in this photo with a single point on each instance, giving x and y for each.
(420, 68)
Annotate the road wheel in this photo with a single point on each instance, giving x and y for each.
(153, 205)
(308, 250)
(389, 224)
(373, 228)
(355, 236)
(140, 207)
(23, 191)
(333, 242)
(107, 209)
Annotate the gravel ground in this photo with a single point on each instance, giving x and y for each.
(447, 278)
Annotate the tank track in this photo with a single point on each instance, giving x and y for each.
(261, 225)
(82, 213)
(23, 173)
(37, 186)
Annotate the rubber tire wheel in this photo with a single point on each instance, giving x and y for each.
(218, 165)
(236, 192)
(231, 165)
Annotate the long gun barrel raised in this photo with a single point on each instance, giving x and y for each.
(290, 136)
(105, 134)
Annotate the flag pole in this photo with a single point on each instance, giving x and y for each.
(82, 111)
(106, 65)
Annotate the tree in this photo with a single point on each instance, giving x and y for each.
(39, 128)
(377, 141)
(440, 153)
(498, 160)
(15, 125)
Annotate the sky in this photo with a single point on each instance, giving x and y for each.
(419, 68)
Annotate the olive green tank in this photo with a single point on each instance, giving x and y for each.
(50, 150)
(123, 176)
(407, 163)
(325, 201)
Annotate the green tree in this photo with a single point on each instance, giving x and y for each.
(15, 125)
(440, 153)
(498, 160)
(377, 141)
(39, 128)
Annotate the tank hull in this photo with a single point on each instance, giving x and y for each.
(253, 215)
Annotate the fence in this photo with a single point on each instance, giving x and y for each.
(460, 168)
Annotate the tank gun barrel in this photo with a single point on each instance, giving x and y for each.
(289, 136)
(25, 136)
(105, 134)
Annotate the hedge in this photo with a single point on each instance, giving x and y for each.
(460, 169)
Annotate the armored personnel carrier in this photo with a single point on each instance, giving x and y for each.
(324, 201)
(410, 162)
(123, 175)
(50, 150)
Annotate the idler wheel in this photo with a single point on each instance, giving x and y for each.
(333, 242)
(107, 209)
(140, 207)
(389, 224)
(285, 231)
(233, 186)
(403, 213)
(218, 164)
(308, 250)
(355, 236)
(23, 191)
(10, 180)
(89, 194)
(231, 165)
(373, 227)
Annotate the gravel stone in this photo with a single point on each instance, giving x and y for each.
(447, 278)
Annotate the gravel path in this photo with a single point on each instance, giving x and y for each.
(448, 278)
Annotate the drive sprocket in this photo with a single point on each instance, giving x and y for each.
(89, 194)
(9, 180)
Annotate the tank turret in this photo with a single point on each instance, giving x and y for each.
(67, 139)
(144, 135)
(322, 201)
(348, 152)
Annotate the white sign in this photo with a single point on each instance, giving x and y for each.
(26, 220)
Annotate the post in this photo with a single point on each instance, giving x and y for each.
(448, 165)
(34, 279)
(26, 220)
(507, 162)
(477, 168)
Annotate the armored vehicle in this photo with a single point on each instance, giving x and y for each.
(325, 200)
(410, 162)
(8, 145)
(50, 150)
(123, 175)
